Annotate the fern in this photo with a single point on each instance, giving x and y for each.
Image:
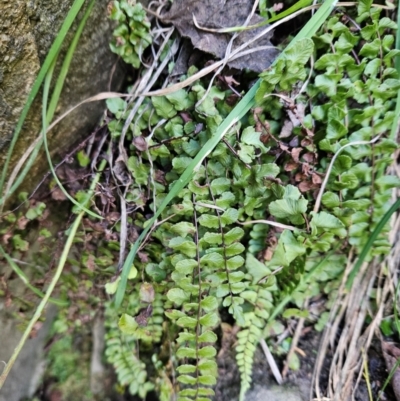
(194, 259)
(123, 338)
(260, 302)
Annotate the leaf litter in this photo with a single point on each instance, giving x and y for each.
(222, 14)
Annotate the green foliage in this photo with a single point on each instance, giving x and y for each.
(201, 260)
(132, 34)
(123, 337)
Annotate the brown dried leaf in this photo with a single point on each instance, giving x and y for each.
(229, 80)
(121, 172)
(316, 179)
(58, 195)
(305, 186)
(147, 293)
(217, 14)
(140, 143)
(295, 152)
(291, 165)
(143, 315)
(22, 222)
(90, 263)
(309, 157)
(286, 130)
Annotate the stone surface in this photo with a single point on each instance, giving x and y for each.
(27, 30)
(274, 393)
(29, 366)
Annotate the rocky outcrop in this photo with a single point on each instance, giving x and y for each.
(27, 30)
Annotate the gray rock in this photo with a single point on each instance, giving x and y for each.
(29, 366)
(27, 30)
(274, 393)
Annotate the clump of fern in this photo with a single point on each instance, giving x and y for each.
(208, 254)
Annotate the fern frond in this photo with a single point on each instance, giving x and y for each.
(121, 353)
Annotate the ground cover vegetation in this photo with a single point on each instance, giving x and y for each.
(270, 217)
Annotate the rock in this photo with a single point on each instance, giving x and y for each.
(274, 393)
(29, 366)
(27, 30)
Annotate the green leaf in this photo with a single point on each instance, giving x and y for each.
(300, 53)
(209, 303)
(251, 137)
(212, 259)
(289, 208)
(257, 269)
(182, 369)
(323, 221)
(186, 266)
(183, 229)
(208, 380)
(140, 171)
(330, 200)
(220, 185)
(128, 324)
(207, 352)
(164, 108)
(235, 234)
(185, 352)
(112, 286)
(132, 273)
(336, 129)
(116, 105)
(188, 248)
(230, 216)
(83, 158)
(209, 221)
(387, 23)
(186, 321)
(181, 163)
(234, 263)
(387, 182)
(186, 379)
(207, 337)
(180, 99)
(209, 320)
(234, 249)
(177, 296)
(293, 312)
(208, 367)
(287, 250)
(371, 49)
(185, 335)
(155, 272)
(213, 238)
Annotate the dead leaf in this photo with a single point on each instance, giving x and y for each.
(291, 165)
(221, 14)
(58, 195)
(22, 222)
(286, 130)
(316, 179)
(147, 293)
(229, 80)
(309, 157)
(295, 152)
(140, 143)
(143, 315)
(121, 172)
